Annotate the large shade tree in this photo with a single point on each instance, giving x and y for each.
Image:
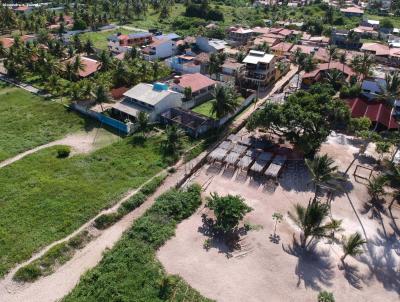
(305, 119)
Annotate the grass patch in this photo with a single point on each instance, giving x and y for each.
(27, 121)
(205, 109)
(130, 271)
(99, 38)
(44, 198)
(106, 220)
(57, 255)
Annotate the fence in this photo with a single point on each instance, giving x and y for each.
(118, 125)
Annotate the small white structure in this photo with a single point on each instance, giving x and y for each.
(210, 45)
(152, 99)
(159, 49)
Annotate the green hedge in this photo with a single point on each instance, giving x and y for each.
(130, 271)
(106, 220)
(57, 255)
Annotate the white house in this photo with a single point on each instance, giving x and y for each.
(184, 64)
(260, 68)
(148, 98)
(159, 49)
(210, 45)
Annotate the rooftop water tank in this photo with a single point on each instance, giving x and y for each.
(160, 86)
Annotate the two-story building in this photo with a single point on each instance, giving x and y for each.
(148, 98)
(240, 35)
(210, 45)
(122, 43)
(201, 87)
(159, 49)
(260, 69)
(184, 64)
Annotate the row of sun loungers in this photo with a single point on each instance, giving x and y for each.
(252, 160)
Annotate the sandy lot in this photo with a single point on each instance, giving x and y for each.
(266, 270)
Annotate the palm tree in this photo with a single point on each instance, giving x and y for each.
(376, 190)
(89, 48)
(335, 78)
(101, 96)
(363, 64)
(173, 141)
(69, 71)
(394, 176)
(225, 101)
(143, 122)
(52, 83)
(343, 59)
(352, 246)
(332, 52)
(105, 61)
(311, 221)
(323, 173)
(78, 65)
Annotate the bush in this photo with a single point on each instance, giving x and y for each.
(350, 91)
(132, 203)
(63, 151)
(152, 185)
(130, 271)
(28, 273)
(359, 124)
(105, 220)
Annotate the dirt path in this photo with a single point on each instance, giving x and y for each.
(64, 279)
(80, 142)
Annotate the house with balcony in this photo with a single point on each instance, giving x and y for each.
(201, 88)
(123, 43)
(260, 69)
(152, 99)
(184, 64)
(240, 35)
(159, 49)
(231, 70)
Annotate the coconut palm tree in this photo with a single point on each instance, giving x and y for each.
(332, 52)
(225, 102)
(78, 65)
(323, 173)
(335, 78)
(343, 59)
(363, 64)
(89, 48)
(143, 122)
(312, 222)
(390, 90)
(173, 141)
(101, 96)
(352, 246)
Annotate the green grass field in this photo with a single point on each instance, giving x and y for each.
(99, 38)
(44, 198)
(27, 121)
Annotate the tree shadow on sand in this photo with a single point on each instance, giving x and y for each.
(225, 243)
(383, 260)
(353, 275)
(314, 266)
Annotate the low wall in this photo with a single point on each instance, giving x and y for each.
(120, 126)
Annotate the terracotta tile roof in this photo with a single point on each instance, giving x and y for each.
(377, 48)
(285, 32)
(118, 93)
(303, 48)
(353, 10)
(376, 111)
(261, 30)
(283, 46)
(196, 81)
(321, 55)
(365, 29)
(21, 8)
(326, 66)
(202, 57)
(269, 41)
(90, 66)
(7, 42)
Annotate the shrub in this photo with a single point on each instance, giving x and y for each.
(132, 203)
(325, 296)
(63, 151)
(79, 240)
(105, 220)
(152, 185)
(359, 124)
(28, 273)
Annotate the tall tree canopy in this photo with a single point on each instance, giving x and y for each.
(305, 119)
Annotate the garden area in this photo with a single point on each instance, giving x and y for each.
(99, 38)
(44, 197)
(206, 107)
(27, 121)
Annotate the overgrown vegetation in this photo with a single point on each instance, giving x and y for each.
(105, 220)
(43, 198)
(130, 270)
(27, 121)
(57, 255)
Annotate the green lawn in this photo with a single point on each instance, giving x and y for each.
(44, 198)
(27, 121)
(99, 38)
(205, 109)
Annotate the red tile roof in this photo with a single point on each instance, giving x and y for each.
(377, 48)
(7, 42)
(303, 48)
(283, 46)
(21, 8)
(196, 81)
(118, 93)
(353, 10)
(376, 111)
(90, 66)
(347, 70)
